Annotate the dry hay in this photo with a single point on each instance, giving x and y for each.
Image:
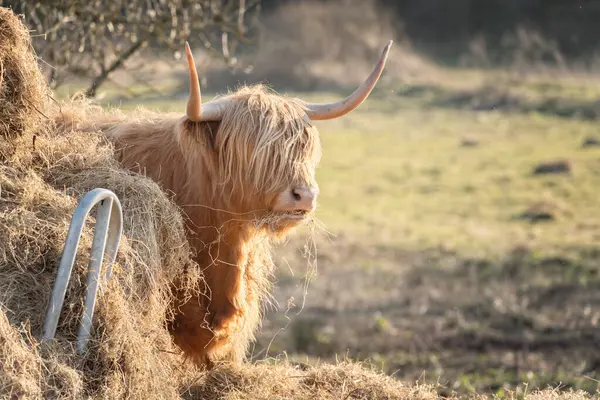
(344, 380)
(46, 171)
(281, 380)
(23, 90)
(39, 191)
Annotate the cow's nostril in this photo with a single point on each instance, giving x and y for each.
(303, 198)
(296, 195)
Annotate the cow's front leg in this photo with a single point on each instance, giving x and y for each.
(226, 283)
(225, 308)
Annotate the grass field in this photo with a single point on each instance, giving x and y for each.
(440, 255)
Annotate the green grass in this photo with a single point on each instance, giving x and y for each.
(405, 178)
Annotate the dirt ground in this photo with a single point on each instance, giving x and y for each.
(467, 324)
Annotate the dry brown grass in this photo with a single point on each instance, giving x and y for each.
(22, 87)
(47, 170)
(345, 380)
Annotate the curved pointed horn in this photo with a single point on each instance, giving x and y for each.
(194, 105)
(195, 111)
(334, 110)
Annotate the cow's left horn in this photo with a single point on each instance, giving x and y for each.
(334, 110)
(196, 111)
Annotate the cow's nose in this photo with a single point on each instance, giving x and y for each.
(305, 198)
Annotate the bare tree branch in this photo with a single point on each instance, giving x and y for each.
(91, 91)
(94, 38)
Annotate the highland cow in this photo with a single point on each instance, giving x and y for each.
(242, 169)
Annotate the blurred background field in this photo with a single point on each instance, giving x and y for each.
(458, 236)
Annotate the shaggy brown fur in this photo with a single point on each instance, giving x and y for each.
(225, 176)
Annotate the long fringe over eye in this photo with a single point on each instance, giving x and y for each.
(266, 142)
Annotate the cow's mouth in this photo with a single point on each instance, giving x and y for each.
(296, 214)
(281, 221)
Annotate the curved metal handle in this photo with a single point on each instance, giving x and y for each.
(107, 235)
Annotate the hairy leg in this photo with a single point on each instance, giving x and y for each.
(225, 280)
(191, 333)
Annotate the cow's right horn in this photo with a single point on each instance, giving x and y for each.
(334, 110)
(196, 111)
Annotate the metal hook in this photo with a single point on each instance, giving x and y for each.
(107, 235)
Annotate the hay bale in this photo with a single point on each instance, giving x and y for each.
(39, 192)
(27, 374)
(23, 88)
(21, 370)
(131, 353)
